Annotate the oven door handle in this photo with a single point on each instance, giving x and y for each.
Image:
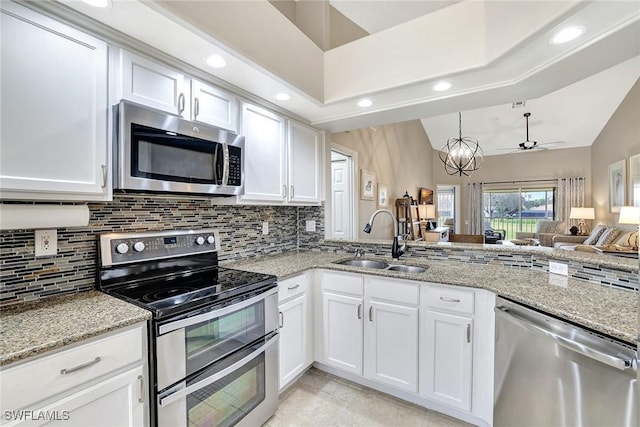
(165, 401)
(183, 323)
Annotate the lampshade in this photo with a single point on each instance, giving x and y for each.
(582, 213)
(629, 215)
(427, 211)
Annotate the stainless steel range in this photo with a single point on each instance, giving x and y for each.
(213, 338)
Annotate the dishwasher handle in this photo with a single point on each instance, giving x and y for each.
(588, 351)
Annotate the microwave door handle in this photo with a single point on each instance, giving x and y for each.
(164, 401)
(225, 170)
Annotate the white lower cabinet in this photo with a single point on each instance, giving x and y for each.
(295, 342)
(342, 317)
(448, 356)
(428, 343)
(101, 382)
(370, 329)
(108, 403)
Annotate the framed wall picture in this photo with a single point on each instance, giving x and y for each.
(383, 196)
(617, 185)
(634, 180)
(367, 185)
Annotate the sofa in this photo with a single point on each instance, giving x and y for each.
(602, 239)
(545, 231)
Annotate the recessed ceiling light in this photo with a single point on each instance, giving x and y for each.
(98, 3)
(282, 96)
(365, 103)
(567, 35)
(216, 61)
(439, 87)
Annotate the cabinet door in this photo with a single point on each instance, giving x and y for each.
(342, 328)
(446, 353)
(264, 166)
(116, 401)
(305, 151)
(53, 110)
(293, 338)
(213, 106)
(391, 345)
(154, 85)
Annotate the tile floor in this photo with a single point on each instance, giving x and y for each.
(319, 399)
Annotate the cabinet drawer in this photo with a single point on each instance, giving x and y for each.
(343, 282)
(392, 290)
(293, 286)
(48, 376)
(448, 299)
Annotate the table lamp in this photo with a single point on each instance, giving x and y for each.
(581, 214)
(630, 215)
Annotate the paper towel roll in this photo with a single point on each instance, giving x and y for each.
(23, 216)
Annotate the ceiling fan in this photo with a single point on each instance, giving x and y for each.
(531, 145)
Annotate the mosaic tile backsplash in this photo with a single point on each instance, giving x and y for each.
(25, 278)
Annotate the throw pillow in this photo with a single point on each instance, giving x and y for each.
(627, 238)
(595, 235)
(608, 236)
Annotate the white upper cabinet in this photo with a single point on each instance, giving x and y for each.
(213, 106)
(305, 151)
(53, 111)
(265, 159)
(283, 159)
(154, 85)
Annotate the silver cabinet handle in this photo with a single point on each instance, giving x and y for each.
(196, 108)
(293, 287)
(141, 389)
(281, 323)
(180, 103)
(445, 299)
(80, 367)
(468, 332)
(104, 176)
(284, 191)
(291, 192)
(371, 314)
(359, 311)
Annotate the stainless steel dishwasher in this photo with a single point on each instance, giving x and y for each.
(549, 373)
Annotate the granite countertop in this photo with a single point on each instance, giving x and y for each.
(607, 310)
(31, 329)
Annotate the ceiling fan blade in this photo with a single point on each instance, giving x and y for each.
(552, 143)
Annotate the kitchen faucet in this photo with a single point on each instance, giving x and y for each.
(396, 249)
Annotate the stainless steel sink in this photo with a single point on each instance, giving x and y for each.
(366, 263)
(407, 268)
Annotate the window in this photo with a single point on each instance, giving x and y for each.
(446, 204)
(517, 209)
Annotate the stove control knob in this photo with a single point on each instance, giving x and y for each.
(200, 240)
(210, 240)
(138, 246)
(122, 248)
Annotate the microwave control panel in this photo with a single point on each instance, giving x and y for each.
(235, 166)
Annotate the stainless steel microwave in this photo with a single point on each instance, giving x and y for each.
(160, 152)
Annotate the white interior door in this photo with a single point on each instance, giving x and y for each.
(341, 196)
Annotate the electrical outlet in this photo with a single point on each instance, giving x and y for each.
(558, 268)
(265, 227)
(310, 225)
(46, 242)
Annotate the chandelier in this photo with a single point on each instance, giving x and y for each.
(461, 155)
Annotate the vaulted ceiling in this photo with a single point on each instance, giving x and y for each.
(492, 52)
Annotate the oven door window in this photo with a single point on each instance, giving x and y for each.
(217, 337)
(228, 400)
(167, 156)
